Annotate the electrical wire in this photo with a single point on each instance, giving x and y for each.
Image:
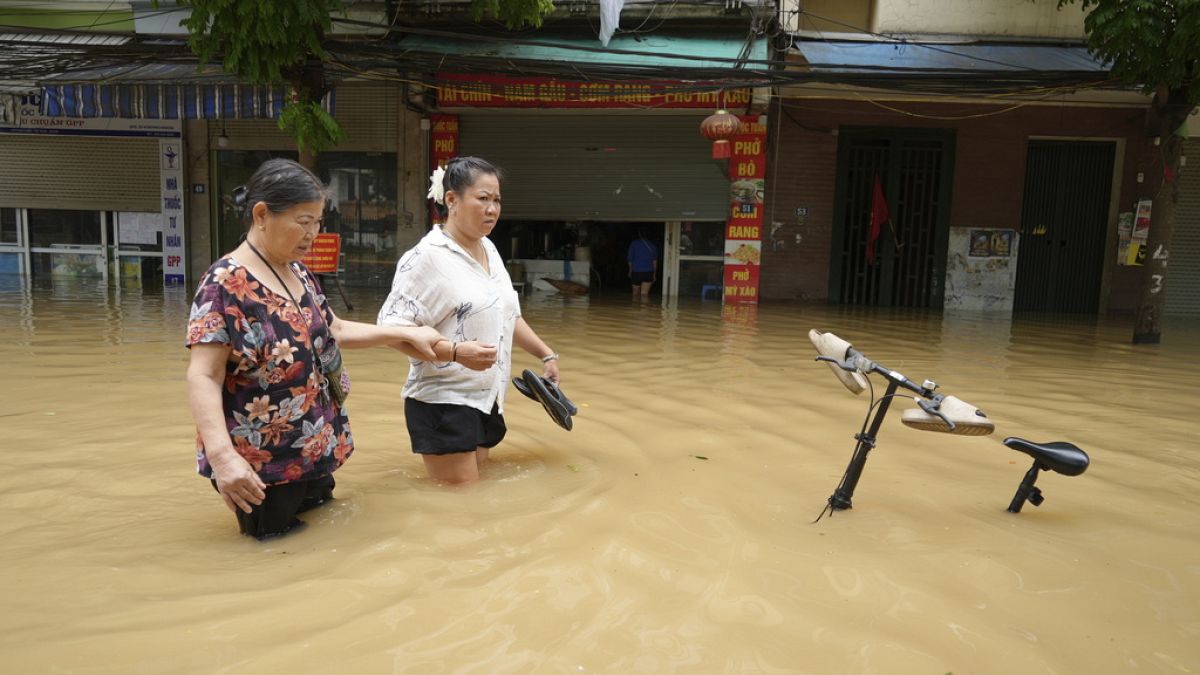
(904, 41)
(381, 58)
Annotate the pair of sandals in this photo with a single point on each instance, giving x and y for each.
(557, 405)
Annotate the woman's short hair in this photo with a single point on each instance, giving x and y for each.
(461, 173)
(280, 184)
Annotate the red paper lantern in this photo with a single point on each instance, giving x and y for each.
(719, 128)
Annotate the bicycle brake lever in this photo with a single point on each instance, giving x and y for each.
(844, 365)
(931, 407)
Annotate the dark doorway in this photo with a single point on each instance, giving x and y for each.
(610, 244)
(1060, 262)
(914, 168)
(604, 245)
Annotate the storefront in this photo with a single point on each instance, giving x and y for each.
(90, 198)
(588, 173)
(368, 208)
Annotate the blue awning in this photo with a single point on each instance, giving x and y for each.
(168, 102)
(848, 56)
(163, 92)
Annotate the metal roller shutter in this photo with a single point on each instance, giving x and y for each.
(76, 172)
(369, 114)
(1183, 277)
(600, 167)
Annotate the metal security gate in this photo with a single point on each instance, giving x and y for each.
(1063, 226)
(650, 168)
(914, 169)
(1183, 275)
(48, 171)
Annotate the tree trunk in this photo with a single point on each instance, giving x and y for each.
(308, 160)
(308, 81)
(1148, 328)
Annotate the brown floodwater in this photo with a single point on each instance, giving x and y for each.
(671, 531)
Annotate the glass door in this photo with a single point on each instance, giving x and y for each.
(701, 259)
(67, 244)
(14, 254)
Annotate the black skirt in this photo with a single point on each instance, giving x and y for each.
(277, 514)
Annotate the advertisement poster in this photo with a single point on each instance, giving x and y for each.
(1124, 235)
(981, 241)
(138, 228)
(990, 244)
(743, 230)
(1141, 223)
(1135, 255)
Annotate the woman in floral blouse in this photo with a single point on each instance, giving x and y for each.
(263, 382)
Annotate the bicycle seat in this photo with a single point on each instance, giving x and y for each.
(1065, 458)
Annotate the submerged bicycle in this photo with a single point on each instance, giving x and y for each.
(934, 412)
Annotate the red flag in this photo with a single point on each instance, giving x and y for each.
(879, 216)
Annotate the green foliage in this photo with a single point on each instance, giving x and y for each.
(259, 40)
(1154, 44)
(272, 42)
(311, 126)
(280, 42)
(514, 14)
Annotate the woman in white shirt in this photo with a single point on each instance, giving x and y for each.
(454, 280)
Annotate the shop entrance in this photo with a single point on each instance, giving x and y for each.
(590, 253)
(1063, 226)
(914, 167)
(588, 181)
(67, 244)
(690, 254)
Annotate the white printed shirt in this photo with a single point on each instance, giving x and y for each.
(439, 284)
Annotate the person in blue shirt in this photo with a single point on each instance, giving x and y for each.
(643, 265)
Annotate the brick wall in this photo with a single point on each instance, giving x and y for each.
(988, 177)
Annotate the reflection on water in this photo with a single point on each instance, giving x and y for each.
(670, 531)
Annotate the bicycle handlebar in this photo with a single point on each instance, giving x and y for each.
(935, 412)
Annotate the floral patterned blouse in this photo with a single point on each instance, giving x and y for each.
(278, 416)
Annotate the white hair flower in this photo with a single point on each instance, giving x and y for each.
(437, 191)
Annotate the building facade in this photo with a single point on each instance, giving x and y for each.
(1009, 200)
(935, 154)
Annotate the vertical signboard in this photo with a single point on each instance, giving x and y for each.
(323, 257)
(170, 155)
(444, 147)
(743, 230)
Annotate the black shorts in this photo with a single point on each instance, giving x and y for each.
(639, 278)
(446, 428)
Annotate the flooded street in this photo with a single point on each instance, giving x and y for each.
(671, 531)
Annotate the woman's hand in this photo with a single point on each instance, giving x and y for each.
(475, 355)
(237, 482)
(550, 371)
(422, 339)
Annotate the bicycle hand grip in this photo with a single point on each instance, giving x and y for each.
(952, 415)
(835, 350)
